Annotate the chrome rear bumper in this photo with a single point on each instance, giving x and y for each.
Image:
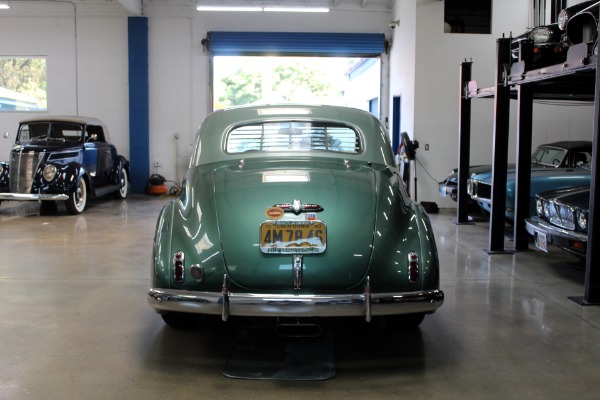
(289, 305)
(33, 197)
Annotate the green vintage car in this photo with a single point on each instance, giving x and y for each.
(293, 211)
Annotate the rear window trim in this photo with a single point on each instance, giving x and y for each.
(360, 144)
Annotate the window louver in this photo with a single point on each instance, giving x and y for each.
(293, 136)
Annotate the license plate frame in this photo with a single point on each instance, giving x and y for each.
(293, 237)
(541, 241)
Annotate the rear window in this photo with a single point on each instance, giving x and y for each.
(550, 156)
(293, 136)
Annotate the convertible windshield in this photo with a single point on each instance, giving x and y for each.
(550, 156)
(293, 136)
(49, 131)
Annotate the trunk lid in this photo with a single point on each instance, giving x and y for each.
(346, 195)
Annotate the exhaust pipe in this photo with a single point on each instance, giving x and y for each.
(297, 327)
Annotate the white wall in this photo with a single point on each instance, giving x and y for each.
(433, 90)
(88, 42)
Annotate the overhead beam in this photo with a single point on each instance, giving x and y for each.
(133, 6)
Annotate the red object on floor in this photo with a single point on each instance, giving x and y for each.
(157, 189)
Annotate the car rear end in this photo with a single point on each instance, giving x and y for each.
(300, 218)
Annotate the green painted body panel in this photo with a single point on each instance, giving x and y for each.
(347, 196)
(372, 224)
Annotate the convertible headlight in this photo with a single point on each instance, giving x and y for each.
(49, 172)
(541, 35)
(539, 207)
(582, 219)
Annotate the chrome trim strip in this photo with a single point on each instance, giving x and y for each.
(33, 197)
(537, 224)
(297, 260)
(368, 299)
(291, 305)
(225, 299)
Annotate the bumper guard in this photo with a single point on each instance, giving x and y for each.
(228, 304)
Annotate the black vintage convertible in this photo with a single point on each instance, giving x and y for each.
(64, 159)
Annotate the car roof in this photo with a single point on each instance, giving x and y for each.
(576, 145)
(65, 118)
(215, 127)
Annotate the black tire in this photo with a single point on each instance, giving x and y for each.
(181, 320)
(123, 183)
(405, 321)
(77, 198)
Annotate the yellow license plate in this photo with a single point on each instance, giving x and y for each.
(293, 237)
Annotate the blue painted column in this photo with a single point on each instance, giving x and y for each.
(139, 110)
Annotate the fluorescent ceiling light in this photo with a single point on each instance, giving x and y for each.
(225, 8)
(4, 5)
(258, 8)
(297, 9)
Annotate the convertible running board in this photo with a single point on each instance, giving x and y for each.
(229, 304)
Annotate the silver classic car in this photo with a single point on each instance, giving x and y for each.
(67, 159)
(293, 211)
(561, 220)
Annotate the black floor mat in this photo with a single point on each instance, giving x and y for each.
(259, 353)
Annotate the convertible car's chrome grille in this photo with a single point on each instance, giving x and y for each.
(22, 167)
(561, 215)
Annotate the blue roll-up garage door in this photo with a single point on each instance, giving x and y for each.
(221, 43)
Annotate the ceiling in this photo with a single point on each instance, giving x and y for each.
(136, 6)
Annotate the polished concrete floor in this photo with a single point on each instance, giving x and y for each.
(75, 323)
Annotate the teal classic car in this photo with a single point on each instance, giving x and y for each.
(554, 166)
(293, 211)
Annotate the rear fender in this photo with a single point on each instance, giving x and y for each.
(402, 227)
(115, 172)
(189, 224)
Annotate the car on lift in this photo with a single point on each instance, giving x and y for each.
(563, 165)
(563, 154)
(561, 219)
(63, 158)
(576, 24)
(295, 212)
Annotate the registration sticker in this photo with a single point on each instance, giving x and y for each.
(293, 237)
(540, 241)
(311, 216)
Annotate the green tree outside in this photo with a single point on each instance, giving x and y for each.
(26, 76)
(279, 80)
